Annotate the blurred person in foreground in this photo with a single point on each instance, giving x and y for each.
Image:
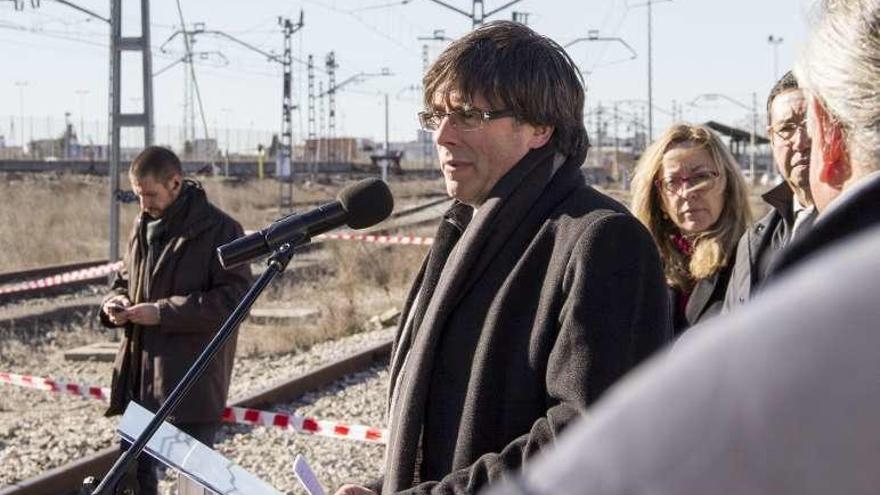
(172, 296)
(689, 192)
(782, 396)
(791, 202)
(538, 292)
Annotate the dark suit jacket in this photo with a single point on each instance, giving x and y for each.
(760, 244)
(553, 292)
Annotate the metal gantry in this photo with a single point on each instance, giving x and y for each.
(284, 156)
(331, 66)
(312, 136)
(119, 120)
(478, 13)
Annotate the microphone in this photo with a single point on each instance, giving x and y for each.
(360, 205)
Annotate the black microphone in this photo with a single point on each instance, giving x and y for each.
(359, 205)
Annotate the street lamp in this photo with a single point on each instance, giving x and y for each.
(593, 35)
(21, 85)
(754, 111)
(648, 4)
(775, 42)
(82, 128)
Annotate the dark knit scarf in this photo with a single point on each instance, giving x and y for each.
(155, 234)
(451, 228)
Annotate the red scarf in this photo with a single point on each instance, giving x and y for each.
(684, 246)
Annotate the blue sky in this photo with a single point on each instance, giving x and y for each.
(59, 56)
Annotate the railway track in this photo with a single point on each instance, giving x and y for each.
(407, 218)
(67, 479)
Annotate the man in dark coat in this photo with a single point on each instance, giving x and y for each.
(172, 296)
(538, 293)
(791, 203)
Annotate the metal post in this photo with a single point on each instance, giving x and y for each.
(312, 134)
(284, 170)
(387, 145)
(752, 137)
(118, 120)
(21, 85)
(775, 42)
(598, 153)
(331, 65)
(147, 72)
(478, 14)
(114, 131)
(616, 174)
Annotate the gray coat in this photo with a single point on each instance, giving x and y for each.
(553, 292)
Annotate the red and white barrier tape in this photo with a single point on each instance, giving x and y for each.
(231, 414)
(305, 425)
(62, 278)
(103, 270)
(409, 240)
(59, 387)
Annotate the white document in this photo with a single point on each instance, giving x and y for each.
(307, 477)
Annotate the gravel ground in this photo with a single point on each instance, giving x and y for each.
(39, 431)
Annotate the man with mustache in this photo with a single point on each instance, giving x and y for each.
(791, 202)
(538, 293)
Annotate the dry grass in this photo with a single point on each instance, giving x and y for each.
(53, 219)
(360, 282)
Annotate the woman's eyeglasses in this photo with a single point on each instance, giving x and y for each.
(700, 181)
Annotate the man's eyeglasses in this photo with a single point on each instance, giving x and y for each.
(700, 181)
(463, 120)
(787, 130)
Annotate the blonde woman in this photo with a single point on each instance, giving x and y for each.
(690, 194)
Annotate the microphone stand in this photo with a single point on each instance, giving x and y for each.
(277, 262)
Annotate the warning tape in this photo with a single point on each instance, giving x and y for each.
(380, 239)
(62, 278)
(106, 269)
(303, 424)
(231, 414)
(59, 387)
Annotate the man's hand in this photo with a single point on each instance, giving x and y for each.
(115, 308)
(143, 314)
(354, 490)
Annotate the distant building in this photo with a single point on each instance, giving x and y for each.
(11, 153)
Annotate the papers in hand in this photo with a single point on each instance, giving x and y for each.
(306, 476)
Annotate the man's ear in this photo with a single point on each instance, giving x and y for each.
(836, 168)
(541, 136)
(175, 183)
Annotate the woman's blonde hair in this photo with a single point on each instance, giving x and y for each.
(712, 248)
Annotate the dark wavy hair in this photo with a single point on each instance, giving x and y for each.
(517, 69)
(786, 83)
